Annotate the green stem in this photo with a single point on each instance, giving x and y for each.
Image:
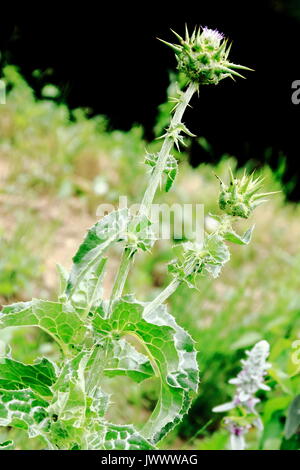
(163, 296)
(153, 184)
(97, 366)
(121, 275)
(165, 151)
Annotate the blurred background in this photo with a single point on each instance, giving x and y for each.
(108, 60)
(86, 93)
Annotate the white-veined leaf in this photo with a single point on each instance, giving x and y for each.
(39, 377)
(234, 237)
(172, 355)
(59, 320)
(126, 360)
(124, 437)
(23, 409)
(111, 228)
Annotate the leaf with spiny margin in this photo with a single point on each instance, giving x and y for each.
(171, 175)
(171, 168)
(140, 234)
(39, 377)
(78, 412)
(89, 292)
(126, 360)
(63, 278)
(109, 229)
(194, 259)
(99, 402)
(24, 410)
(172, 355)
(94, 437)
(59, 320)
(218, 254)
(233, 237)
(69, 394)
(68, 408)
(125, 437)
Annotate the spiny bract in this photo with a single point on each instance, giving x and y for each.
(203, 56)
(240, 197)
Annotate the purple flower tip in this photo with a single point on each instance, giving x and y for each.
(214, 34)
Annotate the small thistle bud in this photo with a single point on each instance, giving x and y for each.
(239, 198)
(203, 56)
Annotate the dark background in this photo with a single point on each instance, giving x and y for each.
(108, 59)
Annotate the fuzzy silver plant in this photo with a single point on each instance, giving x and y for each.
(248, 382)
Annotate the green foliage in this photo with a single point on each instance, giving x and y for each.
(59, 320)
(91, 337)
(75, 401)
(171, 168)
(172, 357)
(68, 404)
(206, 259)
(24, 410)
(99, 238)
(17, 376)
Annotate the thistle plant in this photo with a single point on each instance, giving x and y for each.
(203, 56)
(66, 402)
(248, 382)
(241, 197)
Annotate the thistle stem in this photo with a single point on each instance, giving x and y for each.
(97, 366)
(121, 275)
(163, 296)
(165, 151)
(151, 189)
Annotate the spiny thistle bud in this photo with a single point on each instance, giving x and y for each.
(203, 56)
(240, 197)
